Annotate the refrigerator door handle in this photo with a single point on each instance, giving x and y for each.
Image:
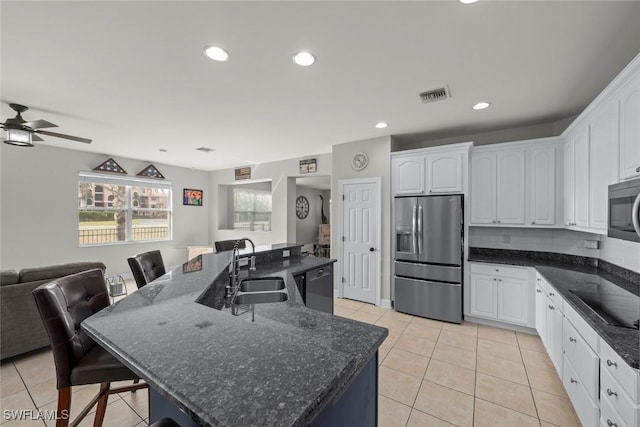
(420, 235)
(414, 234)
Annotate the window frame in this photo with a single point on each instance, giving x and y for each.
(128, 182)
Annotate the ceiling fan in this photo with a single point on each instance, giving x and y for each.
(21, 132)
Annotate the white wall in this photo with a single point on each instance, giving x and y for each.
(379, 153)
(622, 253)
(282, 175)
(307, 228)
(39, 205)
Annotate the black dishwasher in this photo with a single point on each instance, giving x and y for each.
(316, 288)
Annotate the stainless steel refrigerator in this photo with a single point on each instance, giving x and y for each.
(429, 233)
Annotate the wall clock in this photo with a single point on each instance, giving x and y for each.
(359, 161)
(302, 207)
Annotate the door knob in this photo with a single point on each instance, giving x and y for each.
(371, 249)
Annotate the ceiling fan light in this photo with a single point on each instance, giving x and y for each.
(18, 137)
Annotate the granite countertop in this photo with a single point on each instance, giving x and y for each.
(566, 273)
(280, 369)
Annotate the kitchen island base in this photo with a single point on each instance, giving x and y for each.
(356, 407)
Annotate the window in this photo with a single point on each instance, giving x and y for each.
(251, 209)
(122, 209)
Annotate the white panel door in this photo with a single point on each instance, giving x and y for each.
(510, 187)
(483, 296)
(541, 313)
(360, 251)
(483, 188)
(408, 175)
(603, 164)
(513, 300)
(569, 196)
(582, 177)
(630, 129)
(445, 172)
(554, 335)
(542, 186)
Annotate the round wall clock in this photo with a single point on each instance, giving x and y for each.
(302, 207)
(359, 161)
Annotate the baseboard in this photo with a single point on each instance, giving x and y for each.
(488, 322)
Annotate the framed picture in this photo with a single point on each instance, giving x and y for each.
(308, 166)
(192, 265)
(191, 197)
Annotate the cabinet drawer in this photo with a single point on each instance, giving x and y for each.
(584, 360)
(500, 270)
(586, 408)
(582, 327)
(622, 373)
(611, 391)
(608, 416)
(555, 298)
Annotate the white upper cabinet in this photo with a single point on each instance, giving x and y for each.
(581, 168)
(569, 173)
(514, 184)
(408, 174)
(603, 164)
(542, 184)
(434, 170)
(445, 172)
(510, 187)
(630, 129)
(483, 188)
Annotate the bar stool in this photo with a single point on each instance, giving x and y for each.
(227, 245)
(146, 267)
(63, 304)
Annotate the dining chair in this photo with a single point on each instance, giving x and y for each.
(63, 304)
(146, 267)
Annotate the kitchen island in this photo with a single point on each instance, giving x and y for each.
(274, 364)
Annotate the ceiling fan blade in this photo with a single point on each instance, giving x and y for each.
(60, 135)
(39, 124)
(36, 138)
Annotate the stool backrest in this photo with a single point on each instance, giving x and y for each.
(146, 267)
(227, 245)
(63, 304)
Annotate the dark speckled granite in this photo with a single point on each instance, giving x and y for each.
(567, 273)
(224, 370)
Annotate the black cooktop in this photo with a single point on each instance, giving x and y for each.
(613, 304)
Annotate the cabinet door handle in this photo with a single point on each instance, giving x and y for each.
(612, 393)
(499, 280)
(572, 339)
(611, 423)
(638, 169)
(573, 381)
(610, 363)
(538, 291)
(533, 222)
(552, 294)
(551, 307)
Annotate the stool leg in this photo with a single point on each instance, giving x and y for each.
(135, 382)
(64, 407)
(102, 405)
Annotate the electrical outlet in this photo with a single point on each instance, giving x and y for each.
(242, 262)
(286, 253)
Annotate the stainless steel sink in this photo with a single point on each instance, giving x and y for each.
(262, 284)
(260, 297)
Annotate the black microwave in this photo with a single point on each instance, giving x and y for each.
(624, 210)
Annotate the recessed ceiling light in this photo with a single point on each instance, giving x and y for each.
(216, 53)
(304, 59)
(381, 125)
(468, 1)
(481, 105)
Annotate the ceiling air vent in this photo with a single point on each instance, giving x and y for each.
(205, 149)
(435, 95)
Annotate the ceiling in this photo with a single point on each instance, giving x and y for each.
(132, 75)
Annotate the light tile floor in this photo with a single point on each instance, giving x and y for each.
(431, 374)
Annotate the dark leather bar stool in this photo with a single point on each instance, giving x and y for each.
(63, 304)
(146, 267)
(227, 245)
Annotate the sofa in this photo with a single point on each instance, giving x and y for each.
(21, 328)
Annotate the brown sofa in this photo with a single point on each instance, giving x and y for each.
(21, 328)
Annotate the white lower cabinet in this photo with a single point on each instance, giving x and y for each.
(587, 410)
(554, 334)
(502, 293)
(619, 390)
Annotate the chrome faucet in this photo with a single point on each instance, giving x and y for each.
(235, 264)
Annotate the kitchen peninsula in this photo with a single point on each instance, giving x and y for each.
(268, 364)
